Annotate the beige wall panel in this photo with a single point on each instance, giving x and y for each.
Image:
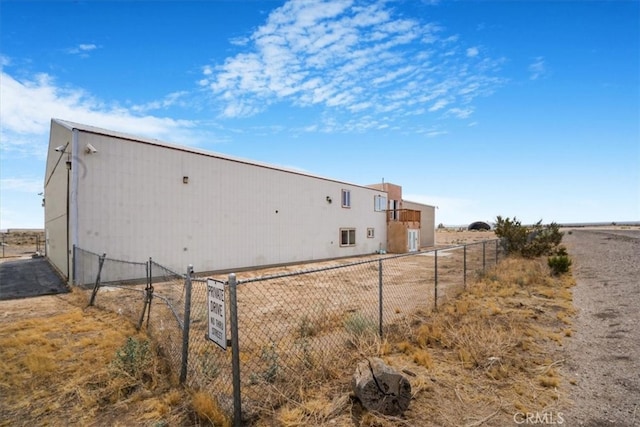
(427, 219)
(133, 205)
(55, 195)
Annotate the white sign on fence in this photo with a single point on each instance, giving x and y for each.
(217, 313)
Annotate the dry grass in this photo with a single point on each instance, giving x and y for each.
(491, 352)
(487, 353)
(60, 370)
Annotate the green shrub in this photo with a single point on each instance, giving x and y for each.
(359, 325)
(512, 233)
(559, 264)
(270, 357)
(133, 358)
(530, 242)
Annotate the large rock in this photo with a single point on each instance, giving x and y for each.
(380, 388)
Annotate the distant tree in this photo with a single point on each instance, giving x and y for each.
(530, 242)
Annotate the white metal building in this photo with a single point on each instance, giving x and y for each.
(134, 198)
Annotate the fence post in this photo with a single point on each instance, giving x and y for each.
(380, 297)
(148, 296)
(97, 285)
(484, 259)
(74, 258)
(435, 287)
(235, 352)
(150, 285)
(464, 266)
(187, 324)
(496, 252)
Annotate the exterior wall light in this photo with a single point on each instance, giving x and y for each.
(329, 199)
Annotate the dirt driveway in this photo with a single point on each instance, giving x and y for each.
(604, 353)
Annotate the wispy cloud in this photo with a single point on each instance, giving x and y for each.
(460, 113)
(537, 68)
(82, 49)
(25, 185)
(175, 98)
(434, 133)
(28, 105)
(347, 56)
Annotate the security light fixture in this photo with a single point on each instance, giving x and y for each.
(329, 199)
(61, 148)
(91, 149)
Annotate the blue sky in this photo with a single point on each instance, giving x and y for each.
(482, 108)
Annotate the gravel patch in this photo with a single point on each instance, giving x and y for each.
(604, 351)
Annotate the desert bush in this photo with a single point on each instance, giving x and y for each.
(529, 242)
(133, 358)
(359, 325)
(512, 233)
(559, 264)
(270, 356)
(362, 331)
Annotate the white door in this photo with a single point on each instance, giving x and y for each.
(413, 240)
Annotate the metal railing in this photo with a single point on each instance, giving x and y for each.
(403, 215)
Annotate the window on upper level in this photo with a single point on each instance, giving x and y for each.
(346, 198)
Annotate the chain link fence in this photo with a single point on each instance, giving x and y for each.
(295, 330)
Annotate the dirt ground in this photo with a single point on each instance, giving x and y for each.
(603, 353)
(20, 243)
(603, 356)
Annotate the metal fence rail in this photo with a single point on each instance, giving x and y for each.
(293, 329)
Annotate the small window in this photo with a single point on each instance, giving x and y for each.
(346, 198)
(347, 237)
(379, 203)
(394, 206)
(370, 233)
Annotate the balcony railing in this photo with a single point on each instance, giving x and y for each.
(403, 215)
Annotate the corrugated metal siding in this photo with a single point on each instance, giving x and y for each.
(55, 195)
(133, 204)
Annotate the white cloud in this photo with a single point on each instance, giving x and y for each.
(28, 106)
(439, 105)
(82, 49)
(25, 185)
(434, 133)
(168, 101)
(344, 56)
(460, 113)
(537, 68)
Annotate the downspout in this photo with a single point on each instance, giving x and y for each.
(73, 202)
